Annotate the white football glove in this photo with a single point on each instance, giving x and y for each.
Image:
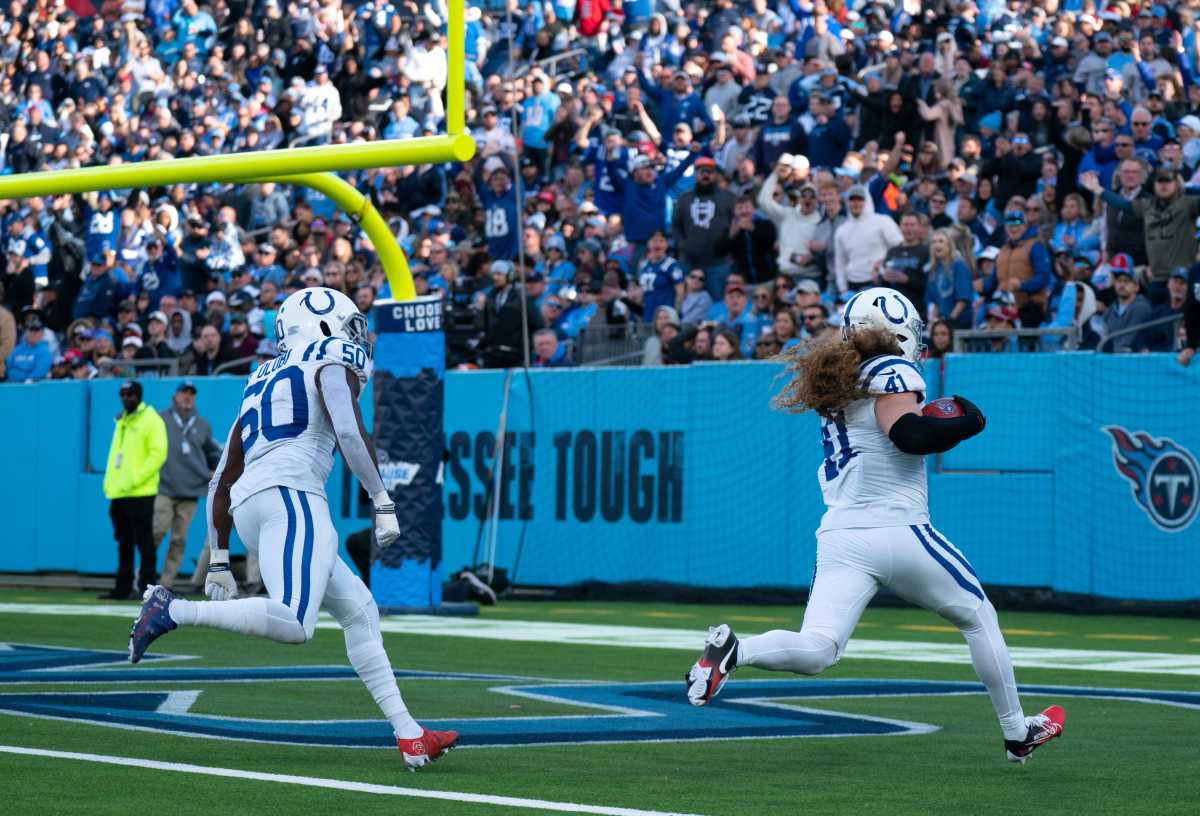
(387, 528)
(219, 585)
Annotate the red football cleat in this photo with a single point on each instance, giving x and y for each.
(1042, 728)
(707, 675)
(424, 749)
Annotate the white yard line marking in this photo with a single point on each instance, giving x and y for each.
(692, 640)
(338, 784)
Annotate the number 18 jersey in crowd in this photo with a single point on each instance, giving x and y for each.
(866, 480)
(287, 438)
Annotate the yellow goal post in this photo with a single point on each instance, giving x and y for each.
(314, 167)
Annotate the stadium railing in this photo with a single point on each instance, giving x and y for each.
(152, 366)
(982, 340)
(612, 344)
(549, 64)
(1171, 320)
(225, 368)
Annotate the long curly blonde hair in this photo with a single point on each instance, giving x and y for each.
(825, 375)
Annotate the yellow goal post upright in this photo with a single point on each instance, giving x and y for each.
(313, 167)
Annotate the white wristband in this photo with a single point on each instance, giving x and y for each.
(218, 557)
(382, 498)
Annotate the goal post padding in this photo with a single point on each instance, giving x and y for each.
(408, 393)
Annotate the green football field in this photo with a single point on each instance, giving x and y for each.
(579, 708)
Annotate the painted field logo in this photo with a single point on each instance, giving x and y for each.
(1164, 477)
(606, 712)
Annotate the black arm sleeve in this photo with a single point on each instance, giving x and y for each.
(920, 435)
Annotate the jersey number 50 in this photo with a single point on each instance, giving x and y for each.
(258, 419)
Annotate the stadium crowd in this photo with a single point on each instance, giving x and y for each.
(715, 177)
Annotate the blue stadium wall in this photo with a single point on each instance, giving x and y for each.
(684, 474)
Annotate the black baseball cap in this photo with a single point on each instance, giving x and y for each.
(131, 387)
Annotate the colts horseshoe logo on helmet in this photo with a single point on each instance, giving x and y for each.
(881, 302)
(307, 301)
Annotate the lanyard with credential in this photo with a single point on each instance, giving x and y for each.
(120, 444)
(183, 431)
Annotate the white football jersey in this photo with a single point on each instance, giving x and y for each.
(866, 480)
(287, 438)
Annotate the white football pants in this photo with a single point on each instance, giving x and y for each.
(297, 547)
(921, 566)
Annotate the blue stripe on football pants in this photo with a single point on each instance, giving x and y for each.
(289, 543)
(954, 573)
(306, 557)
(950, 548)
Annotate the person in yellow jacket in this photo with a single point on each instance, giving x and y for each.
(137, 452)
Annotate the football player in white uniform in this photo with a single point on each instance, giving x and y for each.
(270, 483)
(876, 532)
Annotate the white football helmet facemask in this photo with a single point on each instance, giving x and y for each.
(317, 313)
(882, 308)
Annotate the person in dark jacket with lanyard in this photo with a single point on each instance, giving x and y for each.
(1191, 317)
(502, 330)
(1170, 218)
(192, 454)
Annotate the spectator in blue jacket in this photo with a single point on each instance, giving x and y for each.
(98, 294)
(194, 25)
(1102, 157)
(548, 352)
(645, 199)
(606, 156)
(781, 134)
(829, 138)
(948, 291)
(159, 274)
(735, 315)
(1075, 232)
(103, 225)
(678, 103)
(537, 113)
(996, 95)
(30, 359)
(499, 198)
(27, 247)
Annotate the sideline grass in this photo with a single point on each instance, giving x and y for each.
(1115, 757)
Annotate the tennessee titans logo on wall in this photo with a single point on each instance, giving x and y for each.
(1164, 477)
(307, 301)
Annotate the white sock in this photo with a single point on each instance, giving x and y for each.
(262, 617)
(781, 650)
(364, 647)
(374, 669)
(989, 656)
